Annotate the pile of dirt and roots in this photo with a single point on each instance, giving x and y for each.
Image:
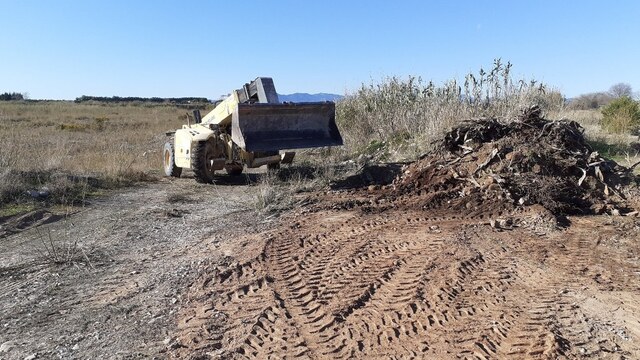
(492, 167)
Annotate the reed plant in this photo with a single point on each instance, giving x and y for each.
(401, 117)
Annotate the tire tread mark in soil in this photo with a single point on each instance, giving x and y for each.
(333, 285)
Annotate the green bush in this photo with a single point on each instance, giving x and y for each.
(622, 115)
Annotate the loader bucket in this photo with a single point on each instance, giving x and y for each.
(271, 127)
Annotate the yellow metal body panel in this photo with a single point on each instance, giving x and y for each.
(185, 140)
(221, 115)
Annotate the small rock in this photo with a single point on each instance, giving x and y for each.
(32, 193)
(174, 213)
(75, 347)
(44, 193)
(7, 346)
(167, 341)
(487, 181)
(31, 357)
(39, 194)
(615, 212)
(536, 169)
(503, 223)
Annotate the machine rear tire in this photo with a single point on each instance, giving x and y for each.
(169, 161)
(202, 157)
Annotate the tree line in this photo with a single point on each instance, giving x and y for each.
(154, 100)
(11, 96)
(597, 100)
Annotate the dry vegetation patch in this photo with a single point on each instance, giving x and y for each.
(398, 119)
(64, 150)
(624, 148)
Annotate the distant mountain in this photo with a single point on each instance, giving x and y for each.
(304, 97)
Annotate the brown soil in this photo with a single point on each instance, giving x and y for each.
(332, 282)
(480, 250)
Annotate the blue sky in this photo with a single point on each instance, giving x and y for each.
(64, 49)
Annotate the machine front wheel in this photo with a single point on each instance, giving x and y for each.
(203, 157)
(169, 161)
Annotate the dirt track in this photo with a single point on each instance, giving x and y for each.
(143, 247)
(340, 277)
(340, 282)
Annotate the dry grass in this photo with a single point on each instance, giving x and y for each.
(114, 143)
(398, 119)
(87, 139)
(276, 188)
(60, 251)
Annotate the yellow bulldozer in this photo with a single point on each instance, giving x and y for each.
(249, 128)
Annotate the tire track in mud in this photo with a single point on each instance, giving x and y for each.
(359, 288)
(362, 269)
(546, 320)
(342, 284)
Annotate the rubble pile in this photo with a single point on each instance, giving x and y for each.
(492, 166)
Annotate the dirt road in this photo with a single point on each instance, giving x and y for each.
(119, 295)
(169, 274)
(338, 281)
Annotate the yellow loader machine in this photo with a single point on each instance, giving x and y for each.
(250, 127)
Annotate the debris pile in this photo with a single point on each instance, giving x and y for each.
(487, 166)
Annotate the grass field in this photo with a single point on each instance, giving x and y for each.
(109, 140)
(52, 144)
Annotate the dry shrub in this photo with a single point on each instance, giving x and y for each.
(400, 118)
(276, 188)
(60, 250)
(269, 193)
